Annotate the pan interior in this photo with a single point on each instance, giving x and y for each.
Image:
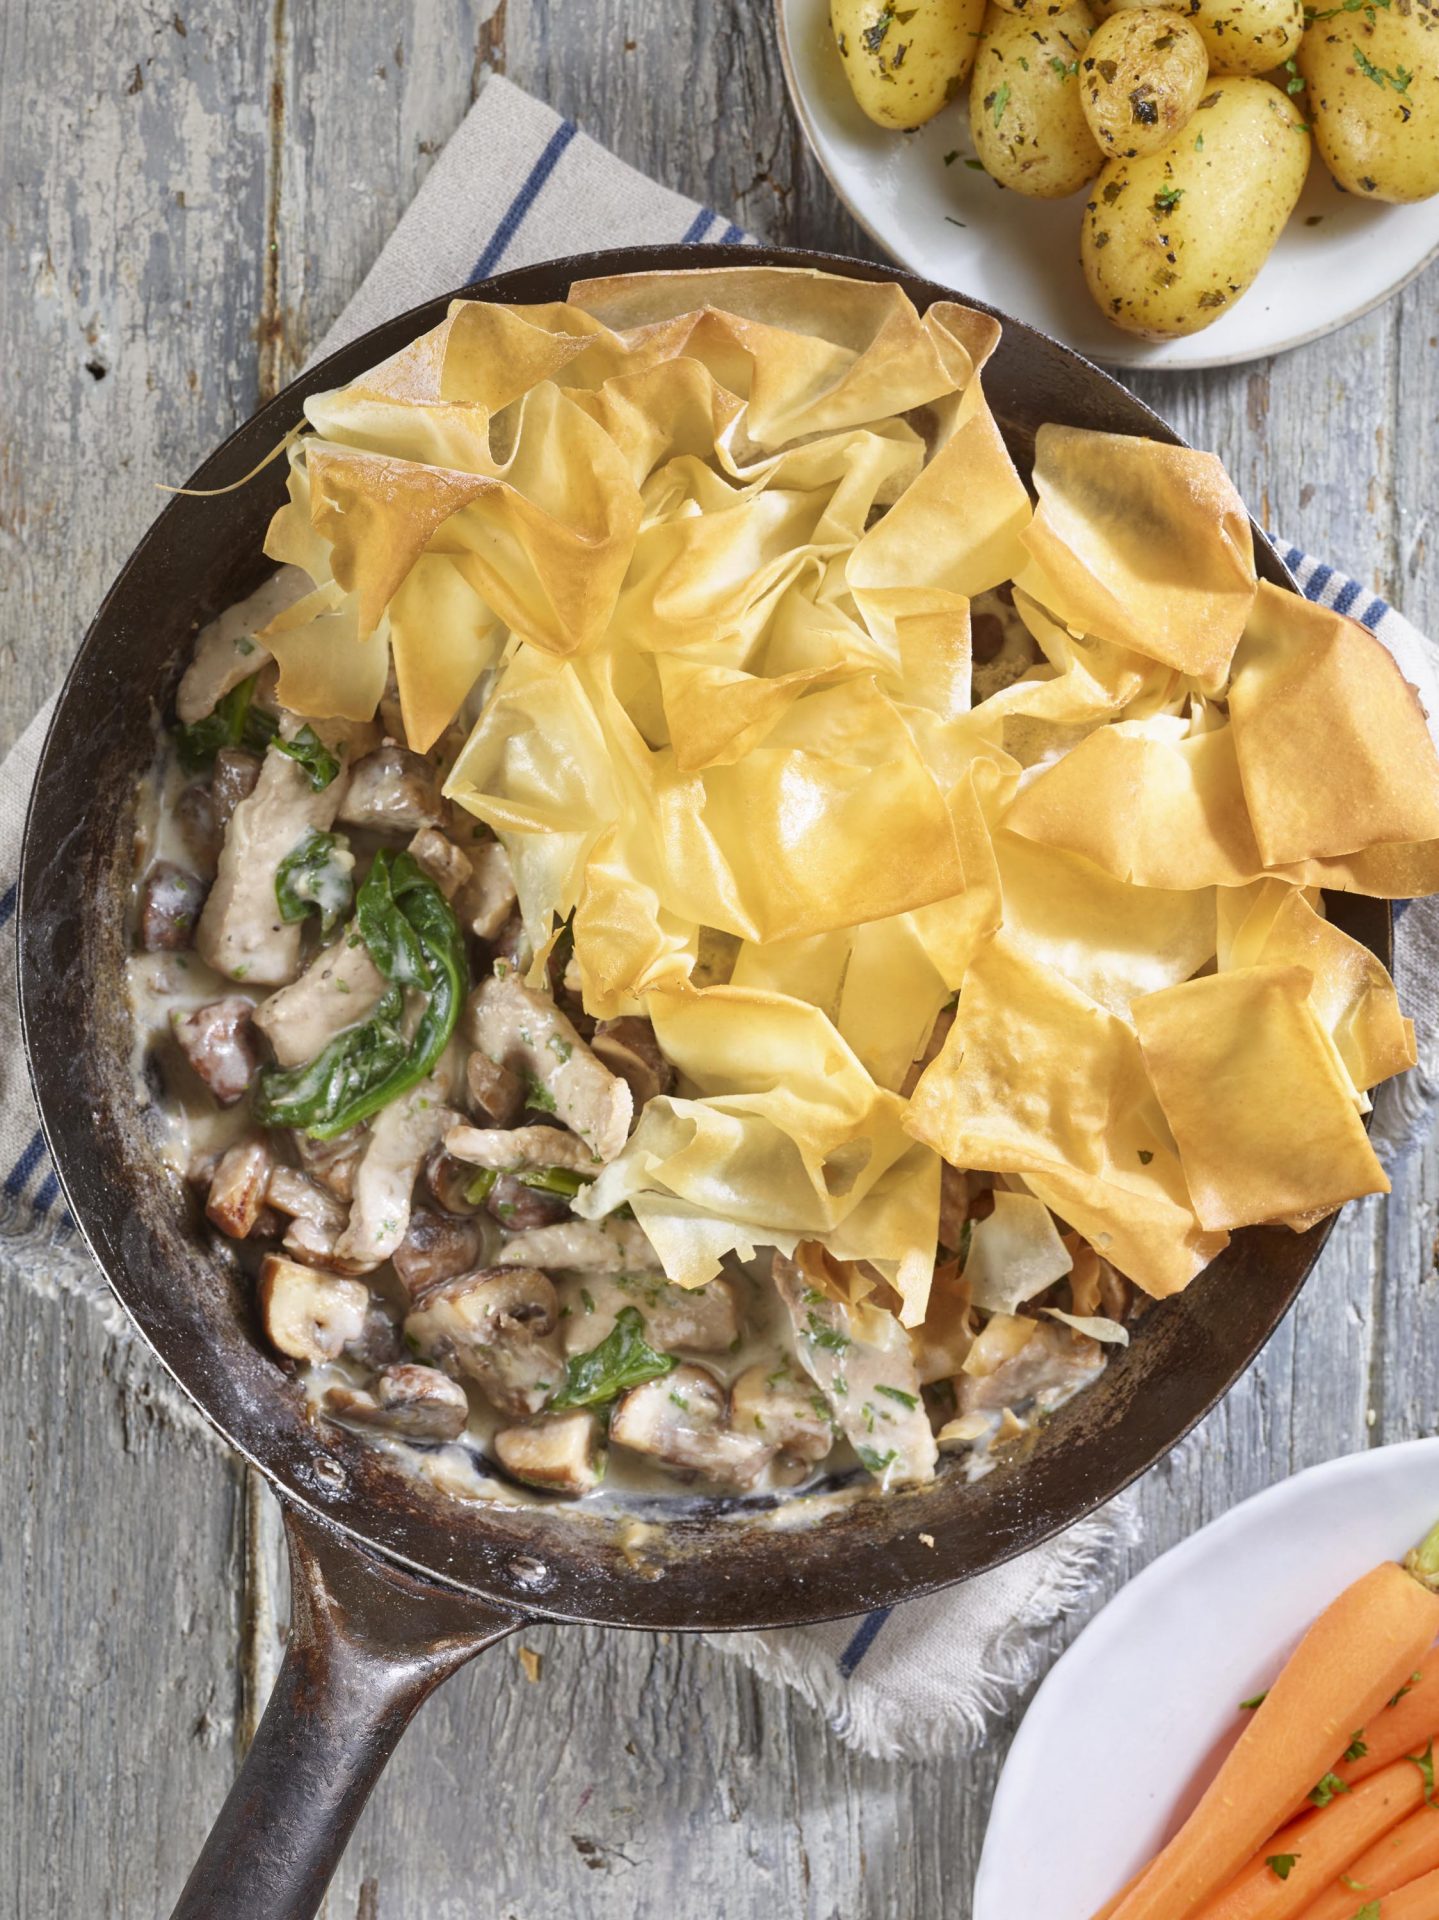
(710, 1564)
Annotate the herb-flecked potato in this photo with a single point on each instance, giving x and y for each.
(1171, 240)
(1374, 97)
(1025, 114)
(1142, 76)
(904, 62)
(1240, 36)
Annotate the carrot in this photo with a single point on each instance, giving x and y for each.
(1402, 1728)
(1418, 1901)
(1405, 1852)
(1301, 1860)
(1352, 1660)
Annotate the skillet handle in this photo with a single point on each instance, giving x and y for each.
(368, 1644)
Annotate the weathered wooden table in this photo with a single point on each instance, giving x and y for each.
(189, 197)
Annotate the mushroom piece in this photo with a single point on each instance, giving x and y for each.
(392, 791)
(400, 1137)
(332, 1162)
(629, 1048)
(233, 780)
(241, 933)
(170, 904)
(524, 1209)
(789, 1414)
(497, 1327)
(496, 1094)
(559, 1452)
(238, 1188)
(417, 1403)
(309, 1315)
(682, 1419)
(953, 1205)
(341, 987)
(441, 860)
(487, 899)
(870, 1382)
(449, 1181)
(528, 1034)
(583, 1246)
(1051, 1366)
(696, 1319)
(316, 1219)
(436, 1247)
(219, 1044)
(509, 1149)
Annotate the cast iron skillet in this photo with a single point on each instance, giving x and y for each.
(396, 1586)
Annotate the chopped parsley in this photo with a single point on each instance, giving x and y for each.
(1281, 1865)
(873, 36)
(1357, 1748)
(909, 1400)
(1001, 101)
(950, 158)
(1248, 1706)
(1295, 82)
(538, 1095)
(1327, 1789)
(1425, 1763)
(876, 1462)
(1066, 69)
(1410, 1684)
(823, 1335)
(1165, 201)
(1399, 79)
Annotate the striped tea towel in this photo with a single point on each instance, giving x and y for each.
(515, 185)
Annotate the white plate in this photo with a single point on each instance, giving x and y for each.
(1023, 255)
(1127, 1728)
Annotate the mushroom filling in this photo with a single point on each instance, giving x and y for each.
(392, 1116)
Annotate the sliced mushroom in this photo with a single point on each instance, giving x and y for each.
(693, 1319)
(392, 791)
(870, 1383)
(528, 1034)
(234, 778)
(341, 987)
(496, 1095)
(682, 1419)
(316, 1218)
(441, 859)
(788, 1413)
(418, 1403)
(218, 1043)
(583, 1246)
(238, 1188)
(953, 1205)
(309, 1315)
(497, 1327)
(629, 1048)
(170, 903)
(560, 1452)
(1053, 1364)
(400, 1137)
(449, 1181)
(487, 899)
(524, 1209)
(332, 1162)
(241, 933)
(510, 1149)
(436, 1247)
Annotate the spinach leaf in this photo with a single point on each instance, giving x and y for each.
(314, 876)
(234, 722)
(624, 1358)
(415, 941)
(319, 764)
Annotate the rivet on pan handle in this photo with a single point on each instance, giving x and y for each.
(368, 1645)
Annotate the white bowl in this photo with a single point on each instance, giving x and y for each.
(1337, 258)
(1128, 1728)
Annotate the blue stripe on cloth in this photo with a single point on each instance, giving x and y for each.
(19, 1175)
(45, 1194)
(1346, 596)
(1316, 583)
(698, 227)
(1374, 612)
(1294, 557)
(731, 235)
(7, 903)
(528, 193)
(862, 1641)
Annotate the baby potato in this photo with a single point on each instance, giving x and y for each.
(1025, 115)
(1172, 239)
(1142, 75)
(905, 62)
(1240, 36)
(1374, 98)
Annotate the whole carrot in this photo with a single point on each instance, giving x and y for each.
(1418, 1901)
(1354, 1658)
(1404, 1853)
(1303, 1858)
